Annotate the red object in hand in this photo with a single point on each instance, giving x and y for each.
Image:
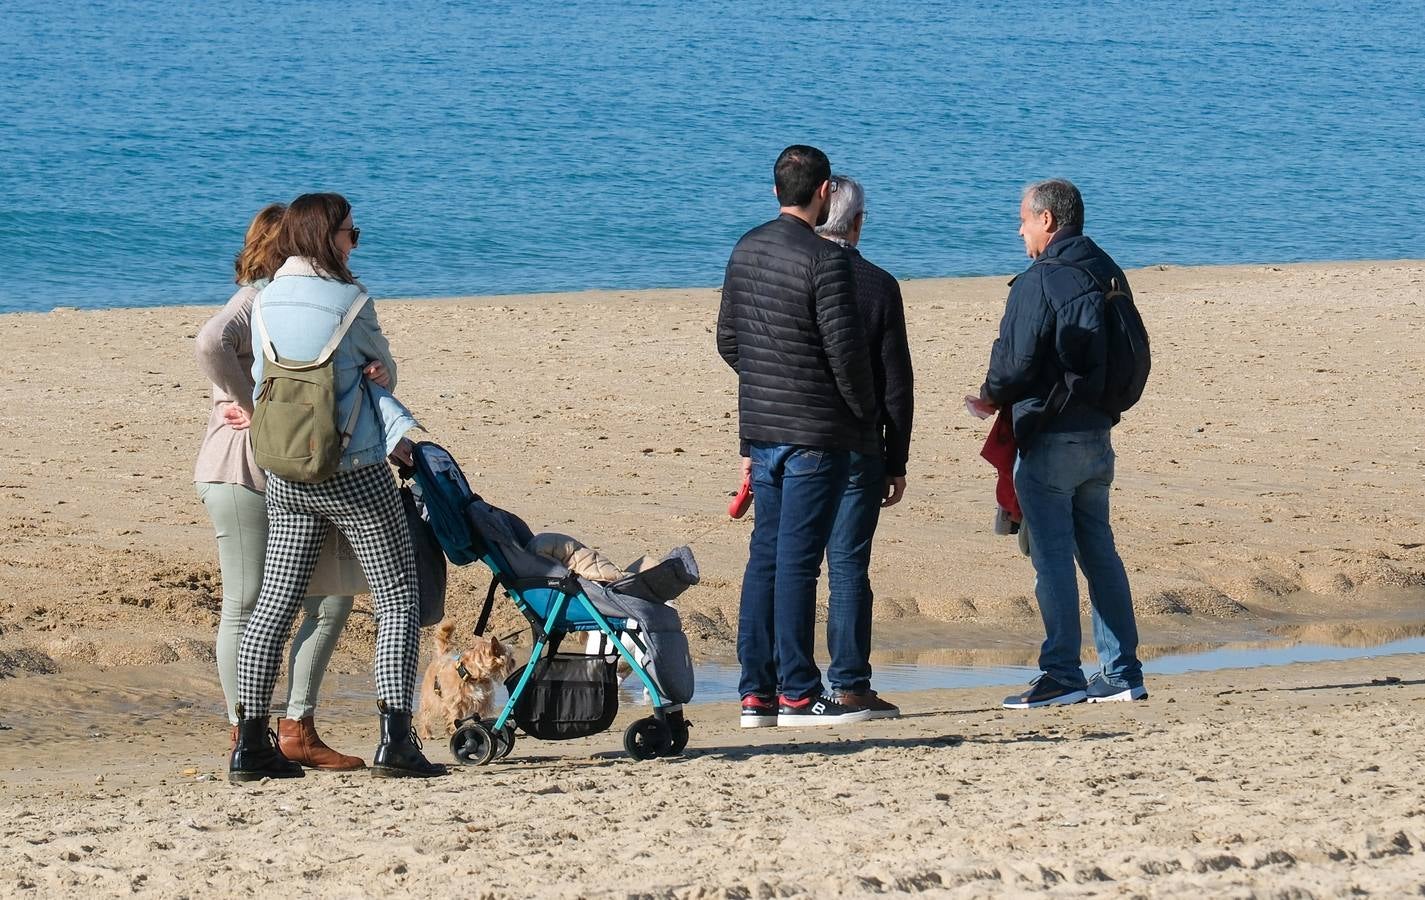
(739, 504)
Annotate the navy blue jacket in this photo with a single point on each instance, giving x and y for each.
(1052, 340)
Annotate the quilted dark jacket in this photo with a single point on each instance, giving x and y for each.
(789, 326)
(1053, 336)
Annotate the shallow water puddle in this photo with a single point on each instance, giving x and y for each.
(718, 681)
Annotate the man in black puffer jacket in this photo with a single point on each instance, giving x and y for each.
(790, 327)
(1049, 366)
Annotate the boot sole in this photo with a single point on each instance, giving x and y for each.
(258, 776)
(388, 772)
(360, 764)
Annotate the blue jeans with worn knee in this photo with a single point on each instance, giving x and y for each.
(796, 492)
(848, 565)
(1063, 487)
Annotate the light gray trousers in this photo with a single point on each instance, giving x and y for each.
(239, 516)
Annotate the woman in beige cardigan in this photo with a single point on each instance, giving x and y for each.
(231, 487)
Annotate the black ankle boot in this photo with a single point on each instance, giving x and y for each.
(256, 755)
(399, 753)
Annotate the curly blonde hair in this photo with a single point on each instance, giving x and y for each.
(259, 257)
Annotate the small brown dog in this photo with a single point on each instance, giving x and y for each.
(458, 685)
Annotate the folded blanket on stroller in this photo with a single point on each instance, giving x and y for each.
(640, 595)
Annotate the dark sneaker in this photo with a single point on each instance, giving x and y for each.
(758, 712)
(821, 710)
(1103, 689)
(1045, 691)
(880, 708)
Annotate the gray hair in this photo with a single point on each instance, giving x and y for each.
(1061, 198)
(848, 201)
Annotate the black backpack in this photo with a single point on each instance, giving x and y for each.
(1129, 358)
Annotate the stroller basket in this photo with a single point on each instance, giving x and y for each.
(570, 695)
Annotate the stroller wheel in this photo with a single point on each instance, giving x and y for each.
(647, 738)
(504, 741)
(473, 745)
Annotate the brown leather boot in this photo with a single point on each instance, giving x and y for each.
(298, 740)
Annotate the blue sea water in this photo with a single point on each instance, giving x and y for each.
(502, 147)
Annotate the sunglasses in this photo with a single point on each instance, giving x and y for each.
(355, 234)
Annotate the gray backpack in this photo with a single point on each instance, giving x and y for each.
(294, 430)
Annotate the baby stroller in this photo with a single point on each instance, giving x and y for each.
(556, 696)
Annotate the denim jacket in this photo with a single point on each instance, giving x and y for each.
(301, 309)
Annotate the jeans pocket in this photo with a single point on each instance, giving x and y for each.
(804, 462)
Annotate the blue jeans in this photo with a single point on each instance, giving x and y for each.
(848, 563)
(1063, 487)
(795, 494)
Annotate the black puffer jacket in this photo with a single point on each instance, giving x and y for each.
(1053, 336)
(789, 326)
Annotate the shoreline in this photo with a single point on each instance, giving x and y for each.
(624, 292)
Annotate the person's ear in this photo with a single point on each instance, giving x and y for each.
(1046, 218)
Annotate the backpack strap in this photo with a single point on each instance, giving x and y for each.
(1112, 287)
(270, 351)
(342, 328)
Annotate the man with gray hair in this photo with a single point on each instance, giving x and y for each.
(1050, 367)
(877, 480)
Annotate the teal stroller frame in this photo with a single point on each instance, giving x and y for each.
(555, 604)
(555, 608)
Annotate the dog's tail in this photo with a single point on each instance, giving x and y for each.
(443, 631)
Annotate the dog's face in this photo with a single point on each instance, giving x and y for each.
(487, 658)
(467, 682)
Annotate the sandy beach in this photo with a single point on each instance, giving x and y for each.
(1268, 488)
(1293, 782)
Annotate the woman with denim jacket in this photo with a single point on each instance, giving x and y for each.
(298, 312)
(231, 487)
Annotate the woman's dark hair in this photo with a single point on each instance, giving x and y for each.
(309, 229)
(259, 256)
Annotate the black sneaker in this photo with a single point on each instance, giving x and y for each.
(818, 711)
(758, 712)
(1102, 689)
(1045, 691)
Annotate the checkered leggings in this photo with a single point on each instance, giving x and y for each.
(364, 506)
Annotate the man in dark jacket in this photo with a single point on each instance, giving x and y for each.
(1049, 365)
(877, 480)
(789, 326)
